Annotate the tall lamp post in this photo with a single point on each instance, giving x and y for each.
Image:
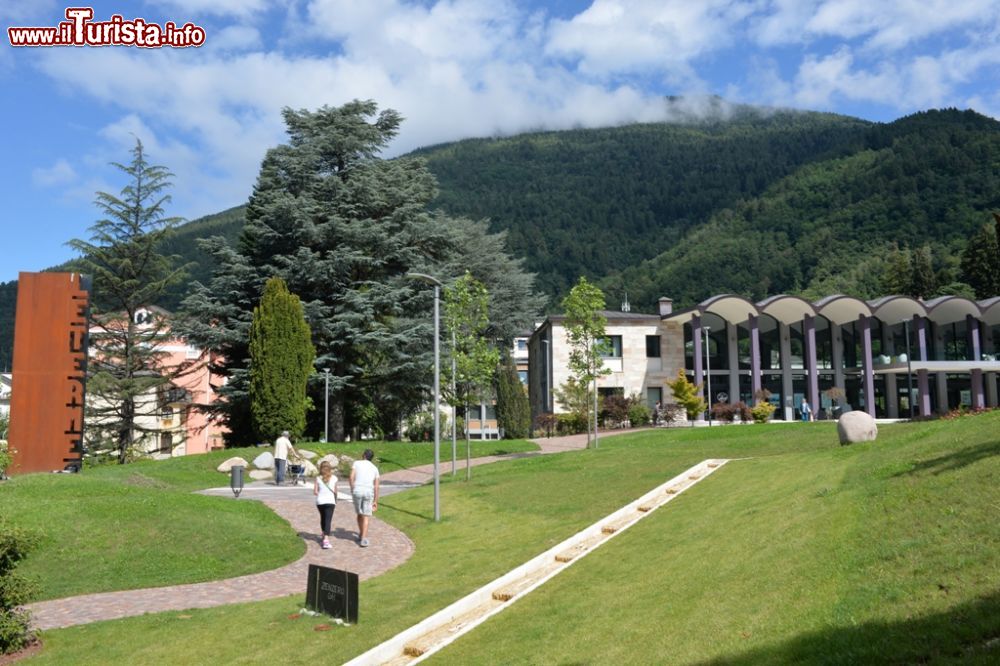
(326, 407)
(437, 387)
(708, 375)
(454, 408)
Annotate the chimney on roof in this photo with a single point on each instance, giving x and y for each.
(666, 306)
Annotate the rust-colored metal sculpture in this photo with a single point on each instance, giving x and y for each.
(50, 372)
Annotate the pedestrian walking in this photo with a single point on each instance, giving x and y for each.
(364, 490)
(325, 490)
(282, 449)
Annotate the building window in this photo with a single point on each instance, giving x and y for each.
(522, 345)
(523, 376)
(612, 347)
(652, 346)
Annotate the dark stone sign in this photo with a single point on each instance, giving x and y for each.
(333, 592)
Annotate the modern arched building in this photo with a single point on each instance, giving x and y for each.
(889, 356)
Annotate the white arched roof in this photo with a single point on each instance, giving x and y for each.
(894, 309)
(991, 310)
(840, 309)
(734, 309)
(948, 309)
(787, 309)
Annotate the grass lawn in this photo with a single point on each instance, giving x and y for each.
(809, 552)
(140, 525)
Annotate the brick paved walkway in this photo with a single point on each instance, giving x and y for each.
(389, 548)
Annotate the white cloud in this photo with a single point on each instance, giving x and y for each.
(615, 36)
(234, 38)
(59, 174)
(214, 7)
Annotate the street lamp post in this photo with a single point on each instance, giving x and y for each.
(326, 407)
(437, 387)
(454, 407)
(708, 375)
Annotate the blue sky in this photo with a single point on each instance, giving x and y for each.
(454, 69)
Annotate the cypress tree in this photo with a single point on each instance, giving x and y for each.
(281, 362)
(898, 274)
(513, 409)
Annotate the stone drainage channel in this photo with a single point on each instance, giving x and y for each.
(437, 631)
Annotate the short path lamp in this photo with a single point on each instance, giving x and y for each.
(236, 479)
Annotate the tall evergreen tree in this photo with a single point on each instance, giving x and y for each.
(127, 378)
(898, 276)
(342, 228)
(924, 282)
(281, 362)
(513, 408)
(981, 261)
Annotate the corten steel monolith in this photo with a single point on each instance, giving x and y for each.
(50, 372)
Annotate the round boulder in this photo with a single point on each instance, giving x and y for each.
(308, 469)
(330, 458)
(260, 474)
(227, 466)
(308, 455)
(856, 426)
(264, 461)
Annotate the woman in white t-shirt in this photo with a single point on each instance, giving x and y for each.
(325, 490)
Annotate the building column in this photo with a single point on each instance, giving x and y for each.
(812, 366)
(697, 351)
(837, 345)
(991, 389)
(891, 392)
(732, 346)
(754, 356)
(868, 374)
(972, 332)
(785, 354)
(978, 395)
(940, 378)
(923, 388)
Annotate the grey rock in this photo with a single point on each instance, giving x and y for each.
(264, 461)
(228, 465)
(260, 474)
(856, 426)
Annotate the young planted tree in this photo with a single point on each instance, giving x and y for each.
(281, 363)
(585, 332)
(687, 395)
(466, 306)
(513, 408)
(126, 372)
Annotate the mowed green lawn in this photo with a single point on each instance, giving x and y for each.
(141, 525)
(808, 552)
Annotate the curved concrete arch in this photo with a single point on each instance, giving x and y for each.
(948, 309)
(894, 309)
(732, 308)
(787, 309)
(840, 309)
(990, 308)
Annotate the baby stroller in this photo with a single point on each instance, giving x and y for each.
(296, 473)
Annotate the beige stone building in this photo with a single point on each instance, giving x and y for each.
(646, 351)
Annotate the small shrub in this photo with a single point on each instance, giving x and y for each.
(5, 457)
(639, 414)
(15, 590)
(420, 426)
(616, 410)
(672, 413)
(743, 409)
(724, 411)
(761, 412)
(547, 423)
(571, 424)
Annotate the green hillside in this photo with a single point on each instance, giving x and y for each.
(928, 178)
(761, 203)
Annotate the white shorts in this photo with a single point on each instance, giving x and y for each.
(363, 503)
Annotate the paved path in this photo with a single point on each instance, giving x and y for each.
(389, 548)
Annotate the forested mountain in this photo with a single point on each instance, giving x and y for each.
(758, 203)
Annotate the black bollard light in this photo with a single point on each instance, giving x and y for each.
(236, 479)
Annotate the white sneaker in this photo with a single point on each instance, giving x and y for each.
(364, 543)
(326, 544)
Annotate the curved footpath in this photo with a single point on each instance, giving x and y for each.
(389, 548)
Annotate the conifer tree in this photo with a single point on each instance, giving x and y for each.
(513, 409)
(898, 271)
(127, 379)
(981, 261)
(687, 395)
(923, 283)
(281, 362)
